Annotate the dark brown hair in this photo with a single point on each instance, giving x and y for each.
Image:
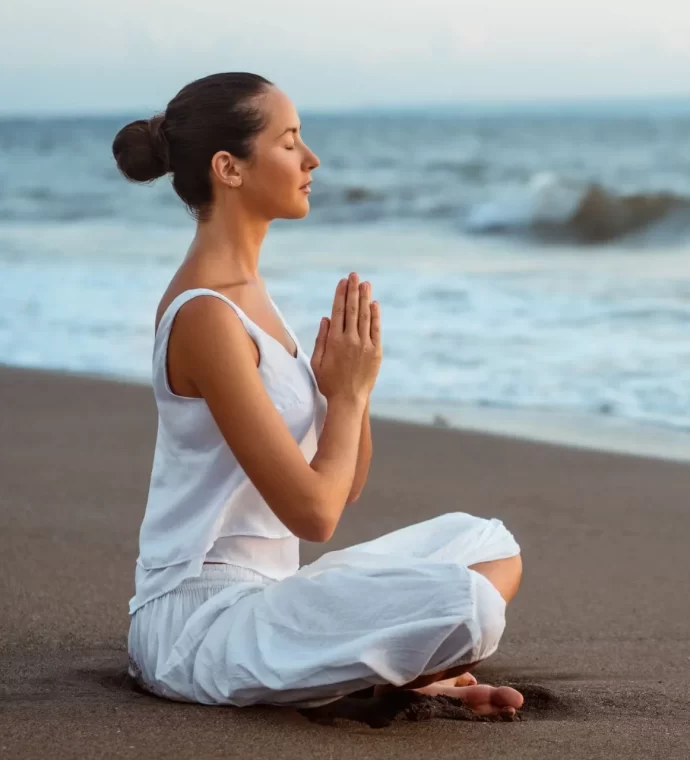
(218, 112)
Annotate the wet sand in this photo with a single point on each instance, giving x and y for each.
(598, 637)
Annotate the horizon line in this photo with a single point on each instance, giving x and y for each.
(397, 108)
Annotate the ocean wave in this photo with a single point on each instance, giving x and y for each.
(558, 209)
(546, 206)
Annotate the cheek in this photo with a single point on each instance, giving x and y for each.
(279, 172)
(275, 182)
(285, 164)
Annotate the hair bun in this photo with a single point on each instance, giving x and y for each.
(141, 150)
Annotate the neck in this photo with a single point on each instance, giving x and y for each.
(230, 241)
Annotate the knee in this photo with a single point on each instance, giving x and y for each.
(490, 618)
(504, 574)
(513, 577)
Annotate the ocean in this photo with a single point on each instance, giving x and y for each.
(527, 259)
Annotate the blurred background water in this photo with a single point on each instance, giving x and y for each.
(525, 258)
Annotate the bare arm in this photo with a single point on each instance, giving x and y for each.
(308, 498)
(363, 458)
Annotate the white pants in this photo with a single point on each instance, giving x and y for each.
(384, 611)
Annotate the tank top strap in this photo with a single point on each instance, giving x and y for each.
(162, 336)
(287, 327)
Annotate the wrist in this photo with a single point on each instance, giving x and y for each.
(357, 402)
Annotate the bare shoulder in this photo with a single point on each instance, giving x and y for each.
(207, 316)
(208, 345)
(176, 289)
(207, 322)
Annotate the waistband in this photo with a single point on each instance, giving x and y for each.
(226, 574)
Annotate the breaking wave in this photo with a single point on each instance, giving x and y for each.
(558, 209)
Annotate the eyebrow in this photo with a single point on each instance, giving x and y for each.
(294, 130)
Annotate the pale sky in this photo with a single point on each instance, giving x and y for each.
(96, 56)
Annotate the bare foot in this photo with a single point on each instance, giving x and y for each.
(498, 701)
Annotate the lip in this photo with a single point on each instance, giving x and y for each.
(306, 187)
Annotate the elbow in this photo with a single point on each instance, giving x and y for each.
(316, 531)
(317, 523)
(322, 534)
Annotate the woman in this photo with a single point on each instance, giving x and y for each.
(259, 446)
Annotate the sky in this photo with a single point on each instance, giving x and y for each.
(105, 56)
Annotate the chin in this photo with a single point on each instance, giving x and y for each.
(297, 212)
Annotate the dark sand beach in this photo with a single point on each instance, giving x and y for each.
(598, 637)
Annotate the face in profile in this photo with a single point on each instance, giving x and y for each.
(271, 183)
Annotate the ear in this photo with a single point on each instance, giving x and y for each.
(225, 168)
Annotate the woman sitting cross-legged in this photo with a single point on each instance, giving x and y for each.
(260, 445)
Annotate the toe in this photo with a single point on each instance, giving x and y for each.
(505, 696)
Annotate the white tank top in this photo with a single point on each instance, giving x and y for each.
(201, 505)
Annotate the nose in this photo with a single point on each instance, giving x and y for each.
(312, 161)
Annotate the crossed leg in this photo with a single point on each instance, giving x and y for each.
(458, 682)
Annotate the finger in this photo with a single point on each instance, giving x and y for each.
(320, 345)
(364, 310)
(375, 324)
(338, 311)
(352, 304)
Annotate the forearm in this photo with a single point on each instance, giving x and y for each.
(336, 459)
(363, 458)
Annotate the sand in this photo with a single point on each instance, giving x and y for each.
(598, 636)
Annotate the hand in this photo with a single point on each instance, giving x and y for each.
(348, 352)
